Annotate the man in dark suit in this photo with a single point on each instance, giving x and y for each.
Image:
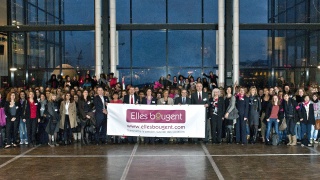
(201, 98)
(131, 98)
(100, 103)
(183, 99)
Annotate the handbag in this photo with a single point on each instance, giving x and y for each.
(317, 124)
(283, 125)
(3, 121)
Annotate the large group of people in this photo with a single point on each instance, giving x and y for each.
(67, 111)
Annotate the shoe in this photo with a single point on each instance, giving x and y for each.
(26, 142)
(294, 141)
(21, 142)
(14, 145)
(50, 144)
(290, 140)
(315, 141)
(7, 146)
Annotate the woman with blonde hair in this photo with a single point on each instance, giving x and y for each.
(254, 112)
(165, 100)
(53, 116)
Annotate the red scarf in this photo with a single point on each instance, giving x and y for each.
(306, 103)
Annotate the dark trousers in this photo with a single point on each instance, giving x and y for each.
(32, 124)
(291, 124)
(67, 133)
(43, 135)
(149, 140)
(241, 132)
(216, 128)
(101, 130)
(12, 131)
(305, 130)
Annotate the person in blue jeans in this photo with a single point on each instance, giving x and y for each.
(308, 119)
(22, 124)
(273, 116)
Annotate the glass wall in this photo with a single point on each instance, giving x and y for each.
(146, 55)
(294, 53)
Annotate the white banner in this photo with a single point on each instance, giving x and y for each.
(156, 120)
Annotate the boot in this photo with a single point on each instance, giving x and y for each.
(290, 140)
(294, 141)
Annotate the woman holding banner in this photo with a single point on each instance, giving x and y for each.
(165, 100)
(149, 100)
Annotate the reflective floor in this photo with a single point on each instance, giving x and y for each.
(141, 162)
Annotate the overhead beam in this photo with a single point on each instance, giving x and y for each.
(90, 27)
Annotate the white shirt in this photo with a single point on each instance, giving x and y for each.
(101, 97)
(67, 108)
(131, 96)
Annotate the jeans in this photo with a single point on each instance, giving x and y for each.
(305, 129)
(314, 133)
(23, 130)
(298, 131)
(272, 121)
(283, 135)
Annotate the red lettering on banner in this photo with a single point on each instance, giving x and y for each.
(156, 116)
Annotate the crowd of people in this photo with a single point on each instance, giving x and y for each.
(65, 111)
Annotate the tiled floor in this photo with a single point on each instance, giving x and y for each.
(154, 162)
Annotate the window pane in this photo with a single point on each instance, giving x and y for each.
(124, 49)
(209, 51)
(123, 6)
(184, 11)
(149, 48)
(257, 7)
(149, 11)
(81, 12)
(79, 49)
(253, 47)
(210, 9)
(184, 48)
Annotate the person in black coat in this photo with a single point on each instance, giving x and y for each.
(308, 119)
(217, 111)
(100, 102)
(131, 98)
(254, 112)
(201, 98)
(292, 113)
(3, 120)
(183, 99)
(242, 103)
(12, 111)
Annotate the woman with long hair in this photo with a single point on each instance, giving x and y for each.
(231, 113)
(254, 112)
(53, 116)
(12, 111)
(68, 114)
(43, 120)
(32, 117)
(85, 113)
(265, 100)
(273, 116)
